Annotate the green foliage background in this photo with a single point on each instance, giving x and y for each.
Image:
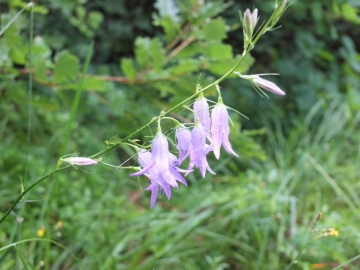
(299, 154)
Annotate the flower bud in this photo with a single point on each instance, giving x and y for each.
(81, 161)
(250, 20)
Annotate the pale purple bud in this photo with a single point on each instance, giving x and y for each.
(198, 150)
(267, 85)
(183, 136)
(220, 129)
(201, 109)
(262, 83)
(250, 20)
(81, 161)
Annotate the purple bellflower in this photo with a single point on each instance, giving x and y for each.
(201, 110)
(220, 129)
(198, 149)
(183, 137)
(160, 167)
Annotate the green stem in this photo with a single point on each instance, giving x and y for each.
(29, 188)
(15, 17)
(153, 120)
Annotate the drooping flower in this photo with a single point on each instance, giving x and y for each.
(183, 137)
(160, 159)
(198, 149)
(220, 129)
(157, 176)
(201, 111)
(262, 83)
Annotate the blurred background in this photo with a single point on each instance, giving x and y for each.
(299, 153)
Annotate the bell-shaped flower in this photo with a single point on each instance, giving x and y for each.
(183, 137)
(160, 159)
(198, 149)
(220, 129)
(158, 177)
(201, 111)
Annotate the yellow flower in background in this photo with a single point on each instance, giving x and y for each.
(58, 225)
(41, 231)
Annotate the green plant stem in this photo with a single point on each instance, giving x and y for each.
(30, 84)
(346, 263)
(41, 240)
(153, 120)
(15, 17)
(298, 256)
(29, 188)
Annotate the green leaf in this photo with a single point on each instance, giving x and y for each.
(170, 27)
(17, 55)
(158, 54)
(215, 30)
(128, 68)
(142, 48)
(40, 69)
(80, 12)
(191, 50)
(184, 66)
(66, 67)
(220, 51)
(41, 101)
(95, 19)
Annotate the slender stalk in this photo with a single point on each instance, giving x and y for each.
(15, 17)
(30, 85)
(29, 188)
(153, 120)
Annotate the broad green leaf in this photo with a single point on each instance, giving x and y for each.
(215, 30)
(95, 84)
(40, 69)
(142, 48)
(95, 19)
(191, 50)
(128, 68)
(90, 84)
(41, 101)
(17, 91)
(219, 51)
(184, 66)
(17, 55)
(80, 12)
(170, 27)
(66, 67)
(40, 49)
(158, 54)
(353, 98)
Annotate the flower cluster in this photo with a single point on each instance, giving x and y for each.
(209, 132)
(207, 135)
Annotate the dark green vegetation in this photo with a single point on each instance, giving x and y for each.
(299, 154)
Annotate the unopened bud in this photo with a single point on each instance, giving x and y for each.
(81, 161)
(250, 20)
